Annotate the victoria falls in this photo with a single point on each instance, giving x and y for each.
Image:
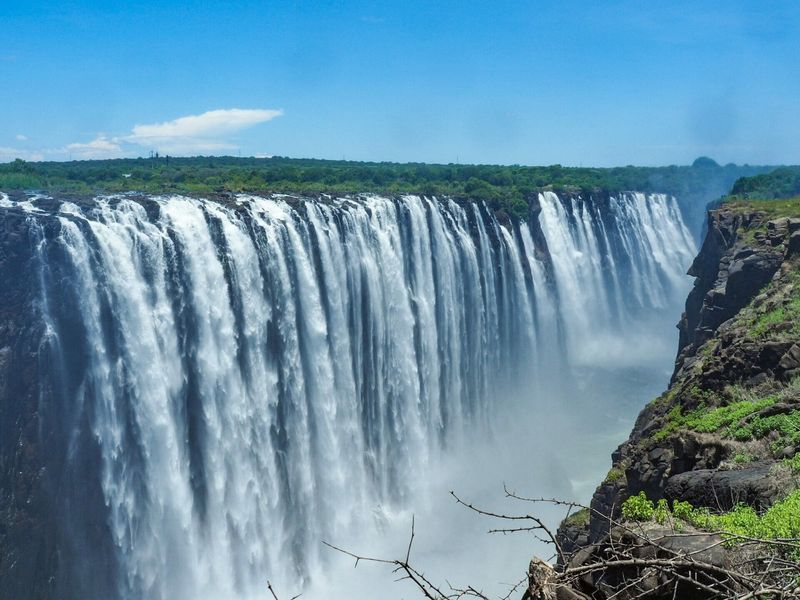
(206, 394)
(364, 300)
(223, 384)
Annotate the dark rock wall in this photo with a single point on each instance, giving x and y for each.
(26, 548)
(741, 254)
(53, 531)
(728, 275)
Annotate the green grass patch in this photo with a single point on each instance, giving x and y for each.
(742, 458)
(614, 474)
(793, 463)
(710, 420)
(787, 313)
(787, 425)
(725, 416)
(781, 520)
(578, 518)
(769, 207)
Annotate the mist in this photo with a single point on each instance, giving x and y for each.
(551, 443)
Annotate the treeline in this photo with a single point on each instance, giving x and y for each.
(780, 183)
(502, 187)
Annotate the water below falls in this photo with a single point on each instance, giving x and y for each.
(233, 382)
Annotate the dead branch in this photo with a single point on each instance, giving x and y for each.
(631, 562)
(275, 596)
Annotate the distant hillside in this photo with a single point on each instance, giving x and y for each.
(502, 187)
(780, 183)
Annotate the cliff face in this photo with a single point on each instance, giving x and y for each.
(24, 549)
(52, 516)
(721, 434)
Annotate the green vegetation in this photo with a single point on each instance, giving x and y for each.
(789, 313)
(793, 463)
(661, 512)
(578, 518)
(724, 416)
(780, 183)
(768, 208)
(735, 416)
(742, 458)
(638, 508)
(780, 521)
(502, 187)
(614, 474)
(771, 208)
(779, 318)
(785, 425)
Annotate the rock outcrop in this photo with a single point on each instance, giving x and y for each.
(716, 438)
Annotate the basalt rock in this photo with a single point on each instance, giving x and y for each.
(757, 485)
(746, 270)
(729, 272)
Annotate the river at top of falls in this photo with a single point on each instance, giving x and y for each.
(259, 376)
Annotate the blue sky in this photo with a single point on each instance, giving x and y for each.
(577, 83)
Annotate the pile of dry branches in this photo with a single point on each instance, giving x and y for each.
(633, 561)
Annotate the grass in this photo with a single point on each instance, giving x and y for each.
(793, 463)
(772, 209)
(762, 320)
(787, 426)
(578, 518)
(742, 458)
(788, 313)
(614, 475)
(768, 209)
(726, 416)
(738, 419)
(709, 420)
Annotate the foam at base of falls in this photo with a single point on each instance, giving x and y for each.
(256, 378)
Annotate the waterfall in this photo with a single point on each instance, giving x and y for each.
(254, 375)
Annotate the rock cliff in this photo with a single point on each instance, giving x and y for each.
(725, 432)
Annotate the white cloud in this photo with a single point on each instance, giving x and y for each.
(212, 123)
(100, 147)
(199, 133)
(9, 154)
(208, 132)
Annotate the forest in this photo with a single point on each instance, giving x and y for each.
(502, 187)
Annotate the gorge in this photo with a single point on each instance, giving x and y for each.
(195, 392)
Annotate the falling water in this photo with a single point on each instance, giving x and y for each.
(255, 375)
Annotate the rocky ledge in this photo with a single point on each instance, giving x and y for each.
(720, 447)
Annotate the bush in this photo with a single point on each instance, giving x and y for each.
(780, 521)
(661, 512)
(638, 508)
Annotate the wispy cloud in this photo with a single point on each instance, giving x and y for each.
(100, 147)
(208, 132)
(199, 133)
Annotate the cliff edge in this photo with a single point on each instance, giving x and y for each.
(714, 459)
